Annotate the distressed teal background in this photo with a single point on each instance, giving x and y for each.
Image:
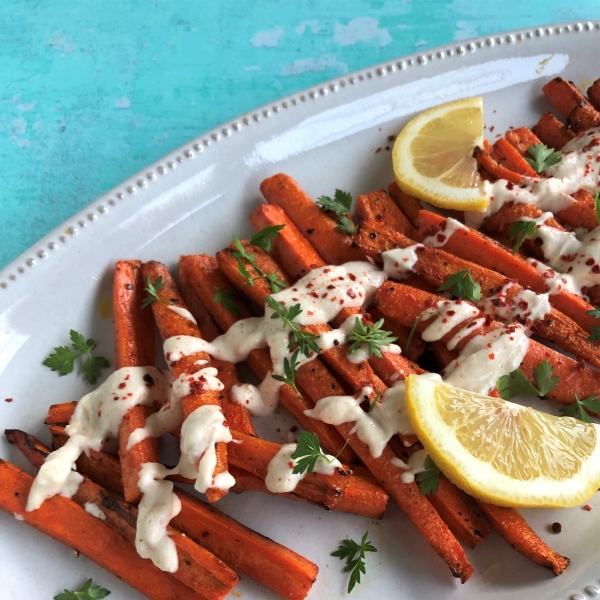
(92, 91)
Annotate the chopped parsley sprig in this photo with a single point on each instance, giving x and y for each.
(290, 370)
(370, 334)
(520, 230)
(429, 479)
(597, 207)
(87, 592)
(595, 335)
(152, 290)
(308, 451)
(577, 409)
(515, 383)
(355, 558)
(229, 300)
(541, 157)
(304, 339)
(275, 284)
(262, 239)
(411, 334)
(340, 205)
(63, 358)
(462, 285)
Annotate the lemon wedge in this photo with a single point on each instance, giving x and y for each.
(501, 452)
(433, 156)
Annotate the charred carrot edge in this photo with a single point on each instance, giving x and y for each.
(435, 266)
(474, 246)
(333, 245)
(403, 303)
(409, 205)
(583, 117)
(504, 153)
(245, 550)
(254, 455)
(172, 324)
(59, 414)
(552, 132)
(381, 208)
(593, 94)
(198, 568)
(563, 95)
(205, 275)
(521, 139)
(134, 347)
(511, 526)
(64, 520)
(491, 166)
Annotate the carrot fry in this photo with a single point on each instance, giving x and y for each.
(403, 304)
(511, 526)
(171, 323)
(474, 246)
(563, 95)
(64, 520)
(583, 117)
(409, 205)
(521, 139)
(552, 132)
(60, 413)
(205, 276)
(494, 168)
(246, 551)
(381, 208)
(593, 94)
(333, 245)
(506, 155)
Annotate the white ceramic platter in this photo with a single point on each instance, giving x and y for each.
(193, 201)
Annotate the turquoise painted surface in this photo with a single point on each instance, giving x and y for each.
(91, 92)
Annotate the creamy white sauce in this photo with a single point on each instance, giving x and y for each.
(414, 466)
(398, 263)
(448, 315)
(18, 517)
(554, 282)
(95, 510)
(375, 428)
(182, 312)
(448, 229)
(280, 477)
(525, 308)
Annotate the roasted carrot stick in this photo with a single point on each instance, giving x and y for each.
(246, 551)
(334, 246)
(64, 520)
(494, 168)
(134, 347)
(593, 94)
(198, 568)
(59, 414)
(409, 205)
(171, 323)
(582, 117)
(506, 155)
(511, 526)
(474, 246)
(379, 207)
(552, 132)
(563, 95)
(403, 303)
(521, 139)
(205, 276)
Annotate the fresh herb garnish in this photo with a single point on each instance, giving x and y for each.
(340, 205)
(577, 409)
(370, 334)
(541, 157)
(375, 401)
(595, 312)
(355, 558)
(152, 290)
(63, 358)
(229, 300)
(595, 335)
(275, 284)
(410, 335)
(597, 207)
(520, 230)
(304, 339)
(461, 285)
(429, 479)
(87, 592)
(290, 369)
(516, 383)
(262, 239)
(308, 451)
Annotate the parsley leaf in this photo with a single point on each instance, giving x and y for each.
(410, 335)
(521, 230)
(305, 340)
(307, 452)
(595, 335)
(87, 592)
(375, 401)
(461, 285)
(229, 300)
(541, 157)
(275, 284)
(597, 207)
(340, 205)
(63, 358)
(429, 479)
(355, 558)
(290, 369)
(577, 409)
(370, 334)
(262, 239)
(516, 383)
(152, 290)
(595, 312)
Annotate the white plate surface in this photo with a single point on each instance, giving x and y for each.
(193, 201)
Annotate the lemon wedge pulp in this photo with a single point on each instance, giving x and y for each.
(433, 156)
(501, 452)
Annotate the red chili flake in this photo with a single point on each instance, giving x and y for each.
(326, 270)
(314, 294)
(351, 277)
(334, 299)
(510, 185)
(309, 285)
(342, 301)
(128, 376)
(387, 148)
(331, 287)
(291, 464)
(122, 386)
(589, 262)
(491, 356)
(391, 138)
(444, 320)
(441, 238)
(8, 399)
(492, 128)
(556, 527)
(523, 305)
(451, 313)
(549, 274)
(351, 293)
(587, 507)
(378, 151)
(324, 295)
